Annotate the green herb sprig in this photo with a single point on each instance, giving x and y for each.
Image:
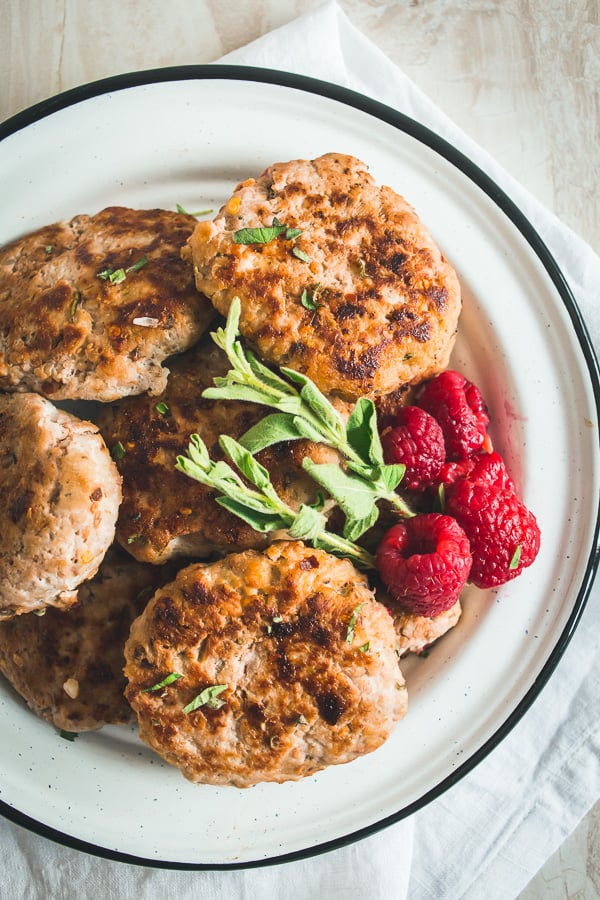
(116, 276)
(261, 507)
(304, 412)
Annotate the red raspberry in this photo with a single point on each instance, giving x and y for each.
(416, 441)
(459, 408)
(424, 562)
(503, 534)
(486, 467)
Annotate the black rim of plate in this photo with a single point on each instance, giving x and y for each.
(425, 136)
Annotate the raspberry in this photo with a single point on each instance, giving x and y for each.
(503, 534)
(416, 441)
(486, 467)
(458, 406)
(425, 561)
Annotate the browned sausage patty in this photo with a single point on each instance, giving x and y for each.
(285, 656)
(417, 633)
(59, 499)
(362, 300)
(68, 665)
(166, 514)
(90, 308)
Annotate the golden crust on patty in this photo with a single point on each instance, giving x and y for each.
(362, 301)
(68, 331)
(68, 665)
(289, 654)
(164, 512)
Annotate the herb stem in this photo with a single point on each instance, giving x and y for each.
(263, 507)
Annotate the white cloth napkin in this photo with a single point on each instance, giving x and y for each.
(487, 836)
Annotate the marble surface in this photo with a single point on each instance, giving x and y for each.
(522, 77)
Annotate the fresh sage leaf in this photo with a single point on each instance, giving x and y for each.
(273, 429)
(245, 462)
(308, 524)
(260, 520)
(362, 432)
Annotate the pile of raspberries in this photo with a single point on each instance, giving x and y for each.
(482, 533)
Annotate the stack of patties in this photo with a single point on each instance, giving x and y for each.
(89, 309)
(264, 659)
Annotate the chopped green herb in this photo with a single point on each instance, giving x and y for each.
(173, 676)
(365, 647)
(133, 538)
(264, 234)
(362, 268)
(278, 618)
(303, 412)
(40, 612)
(309, 301)
(68, 735)
(200, 212)
(208, 697)
(300, 254)
(352, 623)
(75, 303)
(516, 557)
(116, 276)
(162, 408)
(117, 451)
(48, 249)
(138, 265)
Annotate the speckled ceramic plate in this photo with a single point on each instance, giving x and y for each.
(187, 136)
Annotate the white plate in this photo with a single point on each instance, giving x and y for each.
(187, 136)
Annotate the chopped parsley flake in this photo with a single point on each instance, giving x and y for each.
(300, 254)
(118, 451)
(516, 557)
(162, 408)
(173, 676)
(352, 623)
(264, 234)
(208, 697)
(116, 276)
(309, 300)
(68, 735)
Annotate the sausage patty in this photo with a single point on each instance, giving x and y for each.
(59, 499)
(417, 633)
(68, 665)
(352, 291)
(90, 308)
(164, 512)
(264, 667)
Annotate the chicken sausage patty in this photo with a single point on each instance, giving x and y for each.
(68, 665)
(90, 308)
(165, 513)
(264, 666)
(416, 633)
(59, 499)
(348, 287)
